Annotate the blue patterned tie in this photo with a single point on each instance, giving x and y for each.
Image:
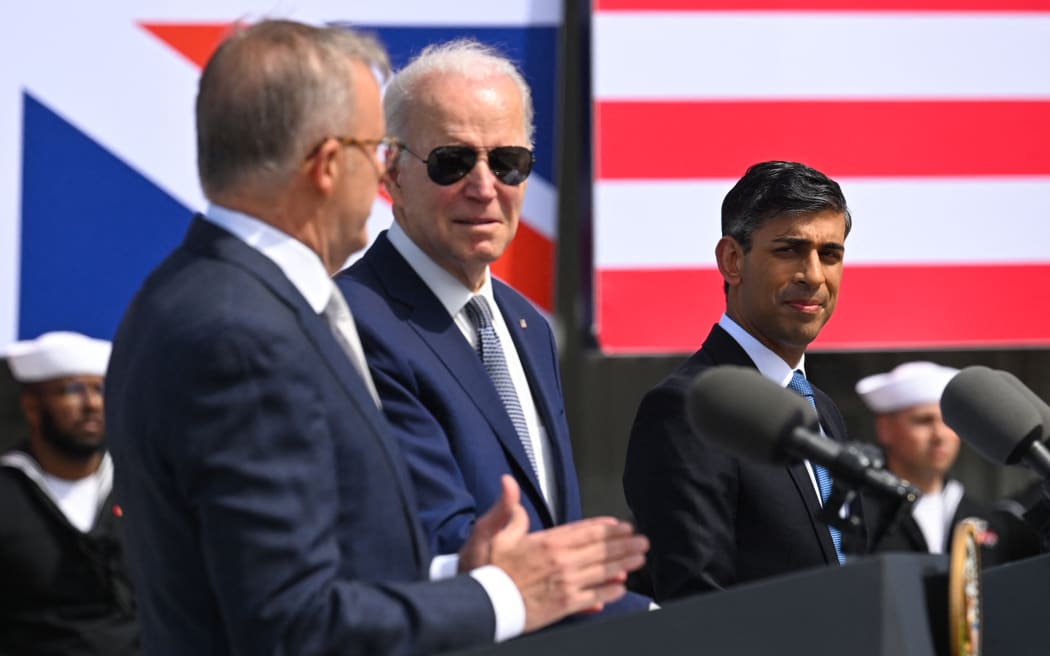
(491, 352)
(801, 385)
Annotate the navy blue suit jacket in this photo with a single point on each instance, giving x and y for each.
(453, 428)
(714, 520)
(268, 508)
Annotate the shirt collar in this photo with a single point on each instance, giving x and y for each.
(301, 265)
(769, 364)
(452, 294)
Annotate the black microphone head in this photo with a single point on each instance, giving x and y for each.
(990, 414)
(745, 413)
(1040, 406)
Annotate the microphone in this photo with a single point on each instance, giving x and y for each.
(742, 411)
(1040, 406)
(994, 416)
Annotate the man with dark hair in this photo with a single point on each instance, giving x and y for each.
(66, 585)
(269, 508)
(716, 520)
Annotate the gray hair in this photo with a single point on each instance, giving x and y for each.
(465, 57)
(271, 92)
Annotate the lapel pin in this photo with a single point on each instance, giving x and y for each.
(521, 322)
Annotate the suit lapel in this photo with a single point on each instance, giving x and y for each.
(912, 532)
(804, 486)
(725, 350)
(317, 331)
(527, 344)
(429, 319)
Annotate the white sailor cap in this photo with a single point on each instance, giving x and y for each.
(55, 355)
(912, 383)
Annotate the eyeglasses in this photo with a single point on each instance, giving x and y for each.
(75, 388)
(384, 150)
(450, 164)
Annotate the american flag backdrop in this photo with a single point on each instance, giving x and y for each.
(97, 170)
(933, 114)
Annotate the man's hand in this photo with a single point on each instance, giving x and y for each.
(569, 569)
(477, 550)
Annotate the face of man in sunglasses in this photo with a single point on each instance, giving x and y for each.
(468, 224)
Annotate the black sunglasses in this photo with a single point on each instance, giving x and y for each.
(449, 164)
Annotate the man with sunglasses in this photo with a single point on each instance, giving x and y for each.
(66, 586)
(269, 508)
(466, 368)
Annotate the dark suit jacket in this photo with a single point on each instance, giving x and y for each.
(443, 407)
(715, 520)
(452, 425)
(268, 507)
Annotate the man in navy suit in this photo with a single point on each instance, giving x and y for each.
(464, 116)
(716, 520)
(269, 509)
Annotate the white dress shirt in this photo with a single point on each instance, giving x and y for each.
(770, 365)
(454, 297)
(304, 269)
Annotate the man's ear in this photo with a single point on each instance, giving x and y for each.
(392, 183)
(729, 255)
(883, 431)
(323, 167)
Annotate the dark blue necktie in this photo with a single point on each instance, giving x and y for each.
(801, 385)
(491, 353)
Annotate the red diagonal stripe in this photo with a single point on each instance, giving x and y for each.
(841, 138)
(194, 41)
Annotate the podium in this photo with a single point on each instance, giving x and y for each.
(1017, 608)
(885, 605)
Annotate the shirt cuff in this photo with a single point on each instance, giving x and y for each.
(506, 601)
(444, 567)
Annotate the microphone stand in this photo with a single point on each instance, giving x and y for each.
(1038, 515)
(840, 509)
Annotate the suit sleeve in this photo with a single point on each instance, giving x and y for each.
(255, 463)
(450, 510)
(683, 494)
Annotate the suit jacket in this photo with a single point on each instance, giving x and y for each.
(268, 507)
(443, 407)
(715, 520)
(447, 414)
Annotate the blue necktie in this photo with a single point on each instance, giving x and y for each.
(801, 385)
(491, 353)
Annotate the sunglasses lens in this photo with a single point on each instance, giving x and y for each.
(511, 164)
(448, 164)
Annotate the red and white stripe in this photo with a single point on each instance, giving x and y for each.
(934, 115)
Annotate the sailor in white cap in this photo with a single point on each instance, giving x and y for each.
(66, 585)
(921, 448)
